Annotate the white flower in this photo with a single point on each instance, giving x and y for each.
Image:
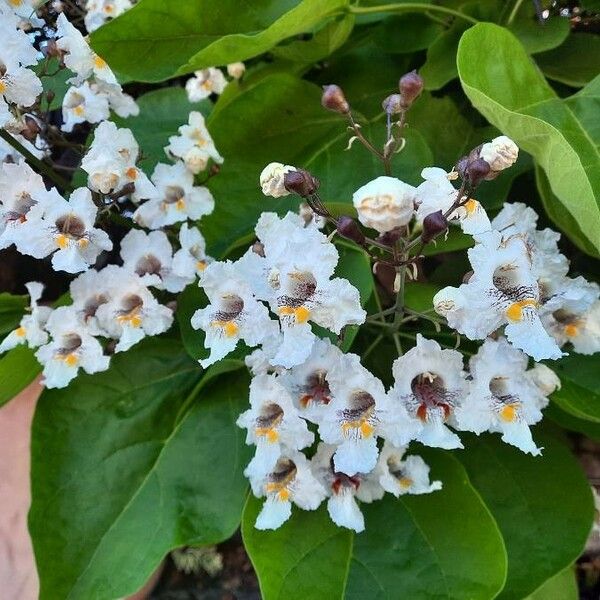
(19, 86)
(177, 198)
(132, 311)
(437, 193)
(17, 48)
(193, 144)
(204, 83)
(341, 489)
(430, 383)
(272, 179)
(83, 104)
(120, 102)
(408, 476)
(502, 397)
(384, 203)
(233, 313)
(79, 57)
(294, 276)
(26, 11)
(100, 11)
(9, 154)
(89, 291)
(22, 197)
(150, 256)
(500, 153)
(191, 259)
(544, 378)
(236, 70)
(582, 330)
(273, 425)
(67, 232)
(72, 347)
(31, 328)
(503, 290)
(290, 480)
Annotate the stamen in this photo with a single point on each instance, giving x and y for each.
(356, 420)
(430, 393)
(130, 312)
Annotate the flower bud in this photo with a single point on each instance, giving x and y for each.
(333, 99)
(348, 228)
(300, 182)
(433, 224)
(545, 379)
(50, 95)
(411, 86)
(31, 129)
(272, 179)
(258, 248)
(236, 70)
(393, 104)
(500, 153)
(51, 49)
(476, 171)
(384, 203)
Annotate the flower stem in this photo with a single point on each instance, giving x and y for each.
(408, 7)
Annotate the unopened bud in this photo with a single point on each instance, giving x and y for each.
(348, 228)
(333, 99)
(433, 224)
(236, 70)
(31, 129)
(258, 248)
(476, 171)
(50, 95)
(393, 104)
(300, 182)
(411, 86)
(271, 179)
(500, 153)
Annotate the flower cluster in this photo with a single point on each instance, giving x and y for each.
(211, 81)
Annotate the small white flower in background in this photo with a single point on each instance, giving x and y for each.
(384, 203)
(132, 312)
(430, 383)
(150, 256)
(271, 179)
(18, 86)
(233, 314)
(100, 11)
(502, 397)
(193, 145)
(438, 193)
(582, 329)
(71, 348)
(31, 328)
(204, 83)
(83, 104)
(177, 198)
(191, 259)
(295, 277)
(89, 291)
(120, 102)
(544, 378)
(503, 290)
(273, 425)
(79, 57)
(20, 212)
(501, 153)
(236, 70)
(399, 474)
(290, 480)
(354, 417)
(67, 232)
(110, 162)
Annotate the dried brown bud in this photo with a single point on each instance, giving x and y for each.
(333, 99)
(411, 86)
(258, 248)
(476, 171)
(433, 224)
(300, 182)
(50, 95)
(31, 129)
(348, 228)
(393, 104)
(51, 49)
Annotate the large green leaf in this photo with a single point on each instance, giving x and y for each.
(307, 558)
(544, 528)
(440, 545)
(158, 39)
(562, 586)
(130, 463)
(507, 88)
(18, 368)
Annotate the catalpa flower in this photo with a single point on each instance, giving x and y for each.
(295, 277)
(18, 86)
(399, 474)
(132, 312)
(290, 481)
(194, 145)
(430, 383)
(272, 179)
(438, 193)
(204, 83)
(89, 291)
(26, 11)
(71, 348)
(177, 198)
(150, 256)
(501, 153)
(100, 11)
(191, 259)
(31, 328)
(83, 104)
(503, 290)
(233, 314)
(17, 49)
(273, 425)
(67, 232)
(502, 397)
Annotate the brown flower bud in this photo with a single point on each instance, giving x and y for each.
(476, 171)
(31, 129)
(51, 49)
(258, 248)
(393, 104)
(411, 86)
(433, 224)
(348, 228)
(50, 95)
(300, 182)
(333, 99)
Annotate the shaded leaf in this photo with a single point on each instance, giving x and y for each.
(12, 309)
(18, 368)
(563, 586)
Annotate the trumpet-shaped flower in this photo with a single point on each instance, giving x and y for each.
(100, 11)
(17, 49)
(204, 83)
(83, 104)
(18, 86)
(191, 259)
(89, 291)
